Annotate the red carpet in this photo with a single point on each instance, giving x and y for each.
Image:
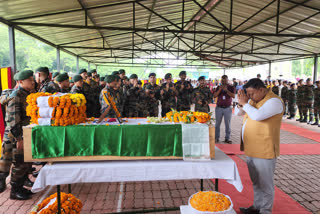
(283, 204)
(301, 131)
(285, 149)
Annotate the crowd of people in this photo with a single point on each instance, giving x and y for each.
(135, 98)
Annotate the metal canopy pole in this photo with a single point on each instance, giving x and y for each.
(12, 46)
(77, 64)
(315, 69)
(88, 66)
(58, 59)
(269, 69)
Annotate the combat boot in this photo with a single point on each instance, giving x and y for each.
(304, 120)
(291, 117)
(2, 185)
(310, 120)
(315, 123)
(18, 192)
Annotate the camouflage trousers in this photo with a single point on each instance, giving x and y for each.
(11, 156)
(132, 111)
(308, 107)
(285, 102)
(300, 109)
(317, 112)
(202, 108)
(292, 109)
(183, 107)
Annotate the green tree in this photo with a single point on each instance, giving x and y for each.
(296, 68)
(308, 66)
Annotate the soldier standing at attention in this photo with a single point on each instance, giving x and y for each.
(202, 96)
(284, 96)
(275, 88)
(153, 85)
(78, 85)
(316, 93)
(184, 89)
(43, 82)
(168, 95)
(132, 97)
(308, 100)
(63, 82)
(292, 101)
(142, 102)
(12, 143)
(152, 102)
(95, 92)
(300, 96)
(87, 92)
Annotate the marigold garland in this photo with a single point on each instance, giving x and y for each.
(188, 116)
(68, 109)
(210, 201)
(69, 205)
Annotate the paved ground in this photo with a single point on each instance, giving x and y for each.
(296, 175)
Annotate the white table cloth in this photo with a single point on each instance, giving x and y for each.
(222, 167)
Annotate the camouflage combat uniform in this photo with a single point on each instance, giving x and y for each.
(183, 101)
(116, 98)
(65, 90)
(124, 101)
(300, 104)
(155, 88)
(132, 100)
(292, 101)
(76, 90)
(152, 105)
(15, 119)
(275, 90)
(204, 95)
(168, 99)
(95, 90)
(316, 93)
(142, 104)
(88, 93)
(308, 100)
(284, 92)
(48, 86)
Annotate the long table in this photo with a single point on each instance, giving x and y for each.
(222, 167)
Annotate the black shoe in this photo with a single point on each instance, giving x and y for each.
(315, 123)
(28, 183)
(217, 140)
(290, 118)
(19, 194)
(304, 120)
(299, 119)
(27, 191)
(249, 210)
(2, 185)
(227, 141)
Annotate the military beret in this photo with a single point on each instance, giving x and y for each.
(201, 78)
(115, 73)
(139, 82)
(285, 81)
(82, 71)
(22, 75)
(167, 76)
(77, 78)
(121, 71)
(105, 77)
(93, 71)
(101, 78)
(71, 81)
(308, 80)
(55, 74)
(317, 82)
(43, 69)
(300, 80)
(152, 75)
(293, 84)
(62, 77)
(89, 74)
(98, 75)
(182, 73)
(117, 77)
(111, 78)
(134, 76)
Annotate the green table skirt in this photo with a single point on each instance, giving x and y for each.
(113, 140)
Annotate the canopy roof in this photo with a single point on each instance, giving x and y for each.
(219, 33)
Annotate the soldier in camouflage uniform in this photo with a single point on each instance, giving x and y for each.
(125, 102)
(43, 82)
(202, 96)
(184, 89)
(63, 82)
(284, 92)
(78, 85)
(88, 92)
(112, 87)
(12, 144)
(132, 97)
(142, 102)
(168, 95)
(316, 106)
(95, 92)
(275, 88)
(152, 101)
(300, 96)
(292, 101)
(153, 84)
(308, 100)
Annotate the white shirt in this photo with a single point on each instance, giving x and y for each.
(270, 108)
